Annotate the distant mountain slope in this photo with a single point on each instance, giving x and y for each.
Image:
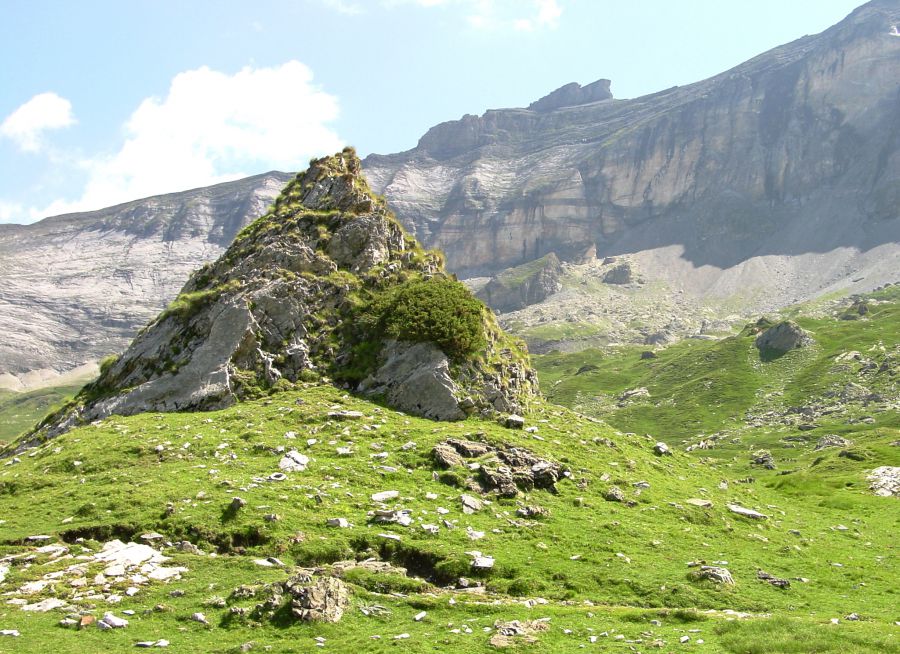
(780, 176)
(77, 287)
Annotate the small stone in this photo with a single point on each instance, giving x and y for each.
(199, 617)
(470, 504)
(384, 496)
(418, 617)
(340, 523)
(661, 449)
(238, 503)
(514, 421)
(112, 622)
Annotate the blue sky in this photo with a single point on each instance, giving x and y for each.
(103, 102)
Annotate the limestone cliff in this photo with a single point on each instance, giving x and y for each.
(326, 285)
(780, 176)
(77, 287)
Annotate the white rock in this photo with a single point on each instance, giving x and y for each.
(341, 523)
(418, 617)
(10, 632)
(45, 605)
(113, 622)
(384, 496)
(747, 513)
(293, 461)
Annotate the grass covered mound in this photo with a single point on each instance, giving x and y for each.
(313, 290)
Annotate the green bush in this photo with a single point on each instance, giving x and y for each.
(437, 310)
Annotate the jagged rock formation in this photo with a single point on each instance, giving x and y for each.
(314, 288)
(523, 285)
(776, 180)
(75, 288)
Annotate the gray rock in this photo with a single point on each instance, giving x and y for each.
(885, 481)
(661, 449)
(322, 600)
(415, 377)
(747, 513)
(470, 504)
(614, 494)
(446, 456)
(514, 421)
(832, 440)
(783, 337)
(293, 461)
(523, 285)
(619, 274)
(763, 458)
(716, 574)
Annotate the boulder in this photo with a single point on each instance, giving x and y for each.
(321, 600)
(885, 481)
(716, 574)
(783, 337)
(415, 377)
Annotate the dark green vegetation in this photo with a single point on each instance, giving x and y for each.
(437, 310)
(21, 411)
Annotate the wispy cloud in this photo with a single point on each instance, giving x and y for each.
(210, 127)
(26, 125)
(521, 15)
(347, 7)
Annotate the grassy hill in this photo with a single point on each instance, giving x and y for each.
(616, 571)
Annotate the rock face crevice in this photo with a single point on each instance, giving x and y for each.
(287, 302)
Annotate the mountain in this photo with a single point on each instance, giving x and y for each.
(772, 182)
(78, 287)
(677, 214)
(326, 285)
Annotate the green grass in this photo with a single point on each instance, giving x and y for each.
(602, 566)
(22, 411)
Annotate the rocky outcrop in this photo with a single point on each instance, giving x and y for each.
(783, 337)
(573, 94)
(306, 292)
(523, 285)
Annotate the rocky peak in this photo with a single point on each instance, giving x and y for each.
(325, 286)
(573, 94)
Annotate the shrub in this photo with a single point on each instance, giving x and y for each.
(438, 310)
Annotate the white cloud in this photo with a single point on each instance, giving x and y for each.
(10, 212)
(547, 13)
(212, 127)
(27, 124)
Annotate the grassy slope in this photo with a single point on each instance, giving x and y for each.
(630, 561)
(21, 411)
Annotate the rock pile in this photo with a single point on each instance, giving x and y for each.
(502, 470)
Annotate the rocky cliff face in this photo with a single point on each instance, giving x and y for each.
(78, 287)
(779, 176)
(523, 285)
(326, 285)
